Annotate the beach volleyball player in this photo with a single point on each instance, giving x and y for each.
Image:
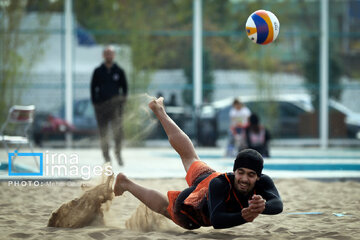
(221, 200)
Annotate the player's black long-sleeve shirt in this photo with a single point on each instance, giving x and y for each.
(106, 83)
(225, 213)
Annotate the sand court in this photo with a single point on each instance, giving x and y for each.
(26, 210)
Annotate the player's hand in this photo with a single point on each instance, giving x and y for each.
(248, 215)
(257, 204)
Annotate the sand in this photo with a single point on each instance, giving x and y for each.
(25, 211)
(87, 209)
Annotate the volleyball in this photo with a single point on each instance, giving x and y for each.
(262, 27)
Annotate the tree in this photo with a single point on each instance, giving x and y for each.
(18, 54)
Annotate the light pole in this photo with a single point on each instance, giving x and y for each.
(68, 68)
(324, 74)
(197, 62)
(197, 58)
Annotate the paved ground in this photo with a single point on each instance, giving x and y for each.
(163, 162)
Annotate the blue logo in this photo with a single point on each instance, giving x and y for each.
(25, 172)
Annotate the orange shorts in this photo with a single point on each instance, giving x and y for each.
(197, 169)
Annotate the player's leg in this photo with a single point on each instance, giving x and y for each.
(177, 138)
(151, 198)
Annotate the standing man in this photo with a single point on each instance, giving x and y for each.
(108, 95)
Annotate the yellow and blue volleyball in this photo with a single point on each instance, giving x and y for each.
(262, 27)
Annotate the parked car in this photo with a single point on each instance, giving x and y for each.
(84, 118)
(352, 119)
(47, 126)
(281, 114)
(84, 122)
(284, 115)
(53, 126)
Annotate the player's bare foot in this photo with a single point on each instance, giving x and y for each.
(120, 184)
(157, 104)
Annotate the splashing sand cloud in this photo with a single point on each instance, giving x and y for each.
(85, 210)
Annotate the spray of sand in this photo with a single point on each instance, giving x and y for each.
(92, 208)
(146, 220)
(86, 210)
(138, 120)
